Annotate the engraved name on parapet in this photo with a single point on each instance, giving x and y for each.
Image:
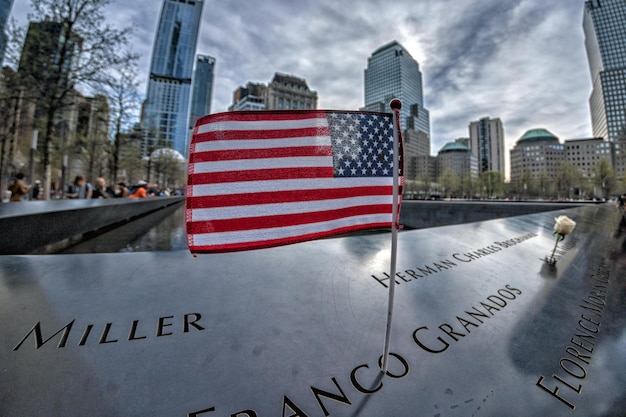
(113, 333)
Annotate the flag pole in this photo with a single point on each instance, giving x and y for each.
(395, 105)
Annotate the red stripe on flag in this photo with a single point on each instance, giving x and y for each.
(260, 175)
(284, 220)
(231, 155)
(284, 196)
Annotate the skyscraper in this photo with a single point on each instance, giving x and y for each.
(392, 73)
(605, 41)
(40, 69)
(40, 55)
(487, 144)
(165, 115)
(5, 9)
(202, 88)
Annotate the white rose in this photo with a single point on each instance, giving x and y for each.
(564, 225)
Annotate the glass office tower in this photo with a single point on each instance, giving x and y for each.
(202, 88)
(605, 40)
(165, 115)
(5, 9)
(392, 73)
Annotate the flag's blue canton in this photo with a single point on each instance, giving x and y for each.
(362, 144)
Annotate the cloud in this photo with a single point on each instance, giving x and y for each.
(521, 61)
(535, 75)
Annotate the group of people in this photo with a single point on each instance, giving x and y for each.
(79, 189)
(82, 189)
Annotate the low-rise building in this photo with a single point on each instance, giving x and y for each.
(537, 151)
(586, 153)
(458, 158)
(284, 92)
(250, 97)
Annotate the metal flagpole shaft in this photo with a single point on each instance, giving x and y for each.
(395, 105)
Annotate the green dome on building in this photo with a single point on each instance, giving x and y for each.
(537, 135)
(454, 147)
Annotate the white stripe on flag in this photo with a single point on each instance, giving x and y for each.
(234, 144)
(251, 236)
(287, 185)
(269, 163)
(263, 125)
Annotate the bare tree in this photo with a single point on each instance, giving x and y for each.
(567, 177)
(11, 97)
(545, 185)
(524, 184)
(469, 185)
(73, 46)
(130, 155)
(168, 167)
(9, 103)
(121, 90)
(93, 138)
(450, 181)
(492, 183)
(604, 177)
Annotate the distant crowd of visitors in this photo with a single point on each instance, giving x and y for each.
(81, 189)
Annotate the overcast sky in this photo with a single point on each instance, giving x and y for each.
(523, 61)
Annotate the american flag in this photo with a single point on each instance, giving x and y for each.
(269, 178)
